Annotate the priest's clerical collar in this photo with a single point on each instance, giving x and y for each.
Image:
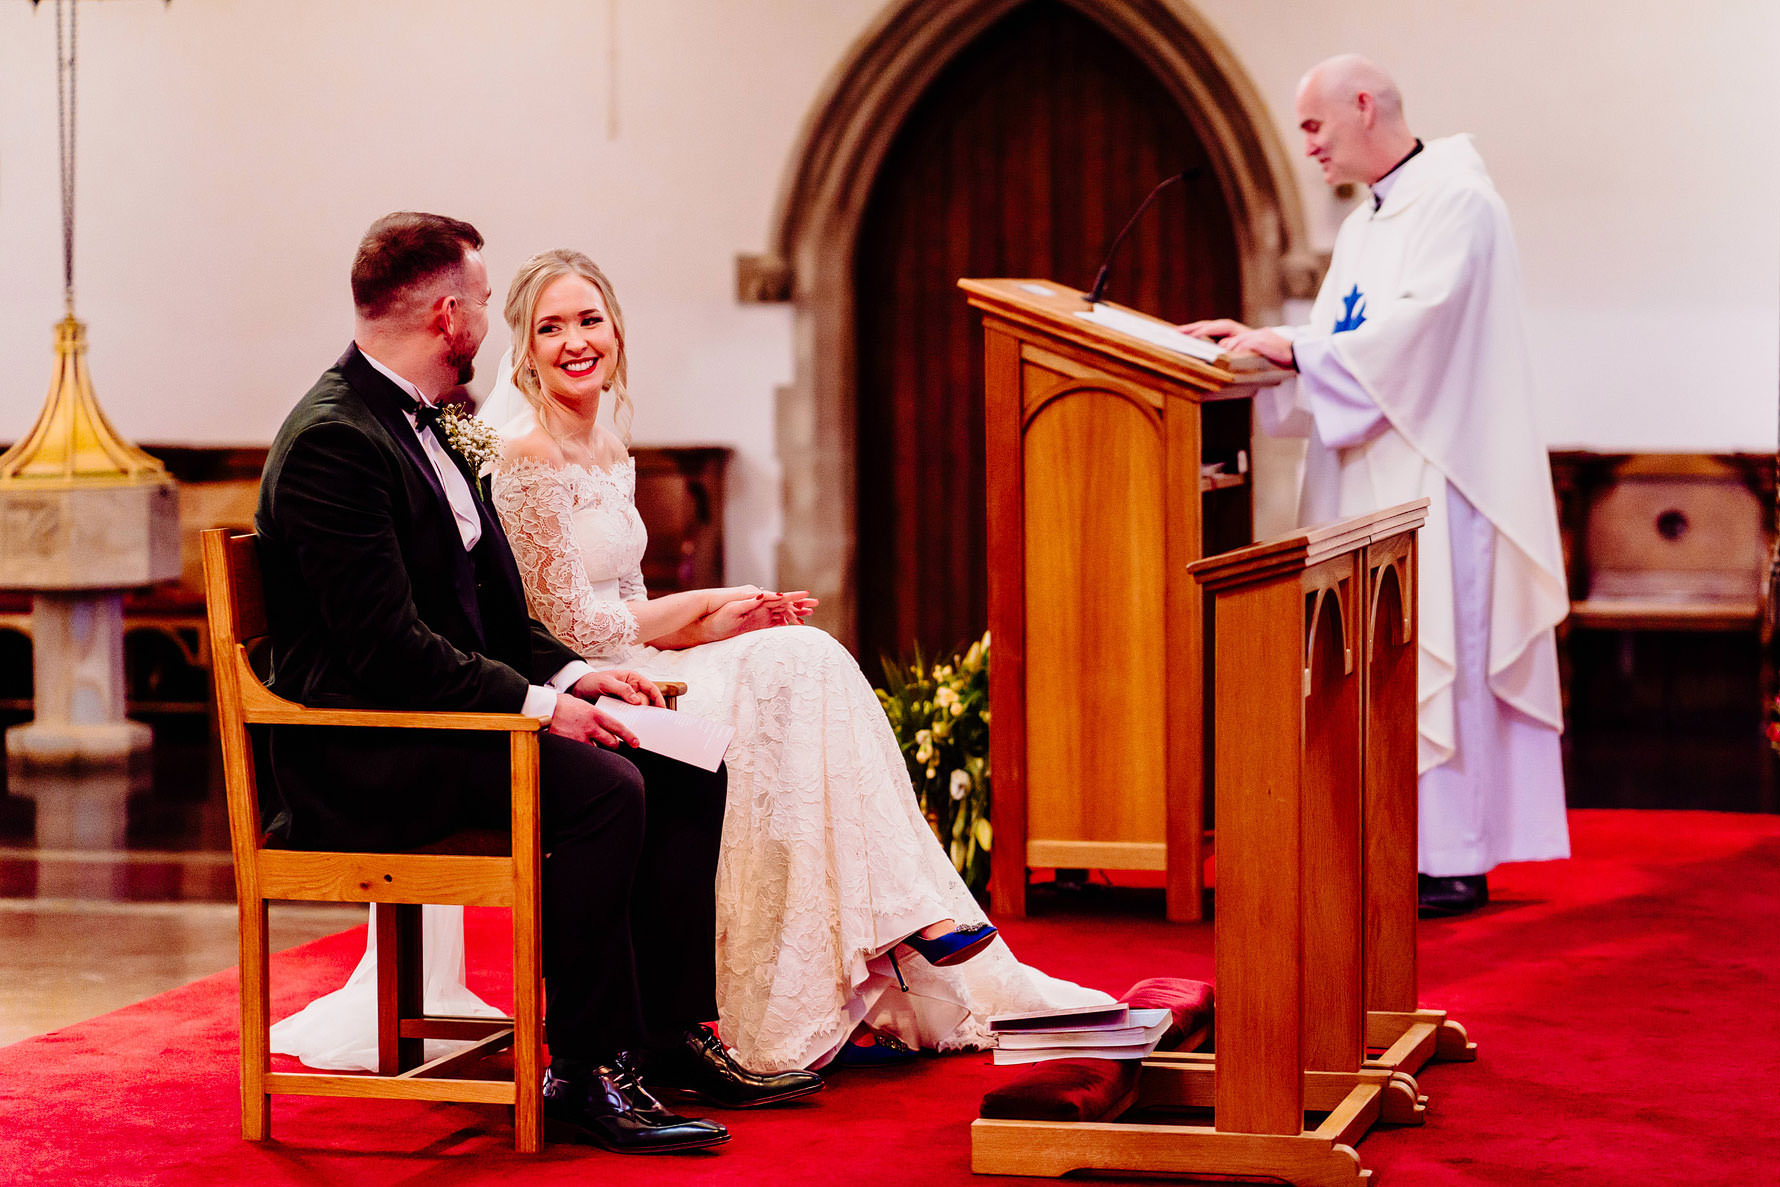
(1383, 185)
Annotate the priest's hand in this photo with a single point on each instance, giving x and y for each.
(1217, 329)
(1271, 345)
(620, 683)
(575, 718)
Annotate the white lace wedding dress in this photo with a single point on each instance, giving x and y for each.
(827, 861)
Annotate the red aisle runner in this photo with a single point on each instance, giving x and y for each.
(1624, 1002)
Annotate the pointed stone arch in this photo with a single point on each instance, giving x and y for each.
(830, 179)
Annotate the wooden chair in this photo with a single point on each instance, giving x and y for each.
(473, 868)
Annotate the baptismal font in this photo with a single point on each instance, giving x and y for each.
(84, 516)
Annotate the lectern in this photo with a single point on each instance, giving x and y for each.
(1115, 460)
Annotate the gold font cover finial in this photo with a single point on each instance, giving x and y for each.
(72, 444)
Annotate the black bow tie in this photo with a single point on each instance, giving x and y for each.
(425, 415)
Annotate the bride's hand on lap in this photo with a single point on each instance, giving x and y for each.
(741, 616)
(733, 593)
(792, 608)
(621, 683)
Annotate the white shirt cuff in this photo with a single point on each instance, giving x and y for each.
(540, 702)
(571, 672)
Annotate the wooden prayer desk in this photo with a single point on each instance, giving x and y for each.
(1313, 738)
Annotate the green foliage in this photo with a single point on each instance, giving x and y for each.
(940, 714)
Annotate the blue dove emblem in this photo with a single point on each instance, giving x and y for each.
(1353, 313)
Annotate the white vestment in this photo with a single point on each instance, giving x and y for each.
(1415, 382)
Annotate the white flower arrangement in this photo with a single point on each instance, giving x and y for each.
(940, 715)
(476, 441)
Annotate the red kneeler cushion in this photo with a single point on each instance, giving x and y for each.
(1190, 1002)
(1094, 1089)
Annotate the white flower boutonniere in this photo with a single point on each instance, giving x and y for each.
(471, 439)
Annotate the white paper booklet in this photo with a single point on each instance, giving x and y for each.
(1156, 333)
(1026, 1048)
(1144, 1026)
(676, 735)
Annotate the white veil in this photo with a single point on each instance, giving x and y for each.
(506, 407)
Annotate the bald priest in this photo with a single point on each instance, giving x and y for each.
(1415, 382)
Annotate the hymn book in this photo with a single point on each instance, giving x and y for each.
(1127, 1034)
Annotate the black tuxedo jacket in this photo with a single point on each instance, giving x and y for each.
(373, 602)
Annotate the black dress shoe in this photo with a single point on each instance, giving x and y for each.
(608, 1105)
(1438, 898)
(700, 1065)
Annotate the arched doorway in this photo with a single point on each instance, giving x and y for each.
(832, 174)
(1023, 157)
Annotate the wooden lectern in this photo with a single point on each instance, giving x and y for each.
(1313, 687)
(1113, 463)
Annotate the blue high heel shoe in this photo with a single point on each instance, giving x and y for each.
(879, 1050)
(955, 947)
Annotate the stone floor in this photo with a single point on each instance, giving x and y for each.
(115, 887)
(66, 960)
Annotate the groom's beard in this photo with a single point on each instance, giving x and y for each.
(462, 355)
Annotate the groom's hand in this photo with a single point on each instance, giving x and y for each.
(621, 683)
(577, 719)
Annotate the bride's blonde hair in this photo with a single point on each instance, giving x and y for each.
(535, 275)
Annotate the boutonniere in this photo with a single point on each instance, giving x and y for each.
(471, 439)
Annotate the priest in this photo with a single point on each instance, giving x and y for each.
(1414, 382)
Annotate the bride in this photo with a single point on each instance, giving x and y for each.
(828, 866)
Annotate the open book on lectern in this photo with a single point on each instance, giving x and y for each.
(1157, 332)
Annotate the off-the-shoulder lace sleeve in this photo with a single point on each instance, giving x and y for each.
(536, 502)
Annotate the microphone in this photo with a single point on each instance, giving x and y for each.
(1184, 175)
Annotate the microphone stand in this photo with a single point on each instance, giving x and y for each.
(1100, 277)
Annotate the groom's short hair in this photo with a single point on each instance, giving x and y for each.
(402, 250)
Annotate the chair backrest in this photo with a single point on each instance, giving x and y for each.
(236, 592)
(235, 606)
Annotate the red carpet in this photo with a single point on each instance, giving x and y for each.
(1624, 1003)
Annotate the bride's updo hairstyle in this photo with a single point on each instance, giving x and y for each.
(536, 275)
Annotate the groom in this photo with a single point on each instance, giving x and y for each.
(390, 585)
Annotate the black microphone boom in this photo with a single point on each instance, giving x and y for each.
(1100, 276)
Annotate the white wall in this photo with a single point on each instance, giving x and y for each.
(232, 153)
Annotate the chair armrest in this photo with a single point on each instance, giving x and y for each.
(395, 719)
(261, 706)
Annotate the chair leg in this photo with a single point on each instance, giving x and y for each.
(400, 986)
(528, 946)
(256, 1021)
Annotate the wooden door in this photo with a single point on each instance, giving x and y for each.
(1024, 158)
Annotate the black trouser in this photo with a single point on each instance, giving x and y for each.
(630, 872)
(629, 886)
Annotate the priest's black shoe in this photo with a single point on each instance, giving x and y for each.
(699, 1064)
(608, 1105)
(1438, 898)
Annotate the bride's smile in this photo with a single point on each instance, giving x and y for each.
(573, 341)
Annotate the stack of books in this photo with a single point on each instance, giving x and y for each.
(1080, 1032)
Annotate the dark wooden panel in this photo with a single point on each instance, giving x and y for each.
(1023, 159)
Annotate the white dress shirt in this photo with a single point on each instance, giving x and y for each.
(540, 701)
